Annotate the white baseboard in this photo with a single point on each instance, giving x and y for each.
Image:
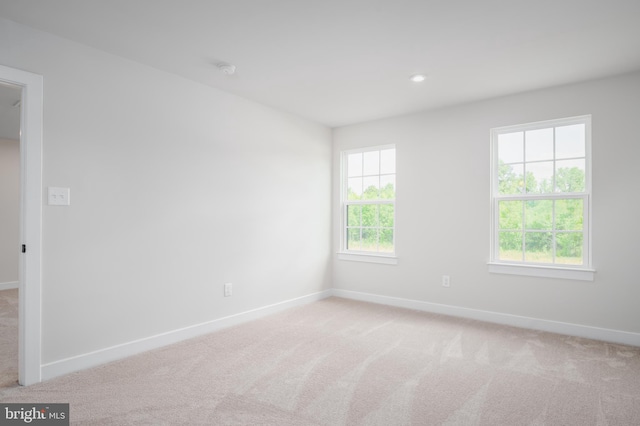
(103, 356)
(9, 285)
(607, 335)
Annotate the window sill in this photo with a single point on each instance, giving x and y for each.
(542, 271)
(370, 258)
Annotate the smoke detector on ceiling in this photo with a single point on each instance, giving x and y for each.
(228, 69)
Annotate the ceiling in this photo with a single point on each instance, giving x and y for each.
(340, 62)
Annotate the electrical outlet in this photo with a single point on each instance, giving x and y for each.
(228, 288)
(445, 281)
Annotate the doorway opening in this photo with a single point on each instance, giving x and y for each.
(29, 248)
(10, 100)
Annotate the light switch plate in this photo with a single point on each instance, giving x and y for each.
(59, 196)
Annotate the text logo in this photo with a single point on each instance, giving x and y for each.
(34, 414)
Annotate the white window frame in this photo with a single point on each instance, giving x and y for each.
(577, 272)
(358, 255)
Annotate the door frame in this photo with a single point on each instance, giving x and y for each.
(30, 278)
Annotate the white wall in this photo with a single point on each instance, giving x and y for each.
(176, 188)
(443, 207)
(9, 210)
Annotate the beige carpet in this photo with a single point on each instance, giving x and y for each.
(8, 337)
(341, 362)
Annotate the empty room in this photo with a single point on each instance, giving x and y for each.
(279, 212)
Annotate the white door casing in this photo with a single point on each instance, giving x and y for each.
(29, 309)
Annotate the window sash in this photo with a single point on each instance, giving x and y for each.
(495, 240)
(346, 227)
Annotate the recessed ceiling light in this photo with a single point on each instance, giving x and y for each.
(418, 78)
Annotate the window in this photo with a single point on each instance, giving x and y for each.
(368, 202)
(541, 194)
